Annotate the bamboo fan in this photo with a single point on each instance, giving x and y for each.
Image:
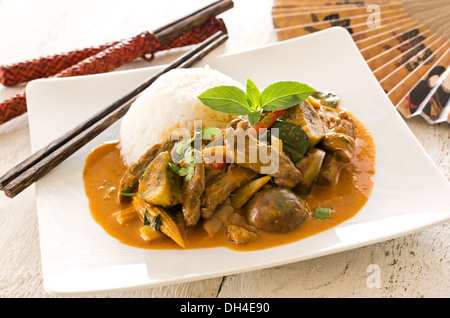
(405, 43)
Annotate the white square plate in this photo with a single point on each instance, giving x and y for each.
(78, 257)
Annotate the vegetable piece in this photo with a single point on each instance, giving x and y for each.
(126, 215)
(246, 192)
(130, 180)
(276, 210)
(309, 166)
(330, 171)
(215, 156)
(148, 233)
(328, 99)
(268, 121)
(218, 189)
(218, 165)
(218, 219)
(159, 184)
(305, 116)
(314, 102)
(321, 213)
(294, 139)
(168, 225)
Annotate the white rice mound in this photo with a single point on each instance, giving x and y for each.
(170, 102)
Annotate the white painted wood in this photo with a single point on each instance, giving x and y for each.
(416, 265)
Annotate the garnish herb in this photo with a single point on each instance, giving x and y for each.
(328, 99)
(277, 96)
(127, 193)
(209, 132)
(156, 223)
(321, 213)
(189, 165)
(146, 219)
(184, 148)
(345, 139)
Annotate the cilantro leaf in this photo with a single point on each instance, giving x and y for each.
(188, 169)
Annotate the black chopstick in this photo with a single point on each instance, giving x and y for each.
(23, 178)
(178, 27)
(164, 33)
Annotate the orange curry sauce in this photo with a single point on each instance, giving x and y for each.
(104, 169)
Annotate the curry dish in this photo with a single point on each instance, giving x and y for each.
(326, 163)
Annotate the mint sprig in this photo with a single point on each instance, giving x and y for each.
(252, 102)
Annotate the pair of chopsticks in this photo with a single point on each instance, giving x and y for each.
(44, 160)
(189, 30)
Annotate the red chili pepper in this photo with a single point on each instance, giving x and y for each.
(268, 120)
(218, 165)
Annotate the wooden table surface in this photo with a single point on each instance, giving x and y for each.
(415, 265)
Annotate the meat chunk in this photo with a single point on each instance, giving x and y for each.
(130, 180)
(340, 133)
(247, 152)
(328, 116)
(239, 235)
(342, 145)
(340, 139)
(305, 116)
(329, 171)
(218, 189)
(192, 192)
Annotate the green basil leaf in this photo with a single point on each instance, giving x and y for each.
(146, 218)
(294, 139)
(282, 95)
(253, 117)
(253, 95)
(227, 99)
(156, 223)
(321, 213)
